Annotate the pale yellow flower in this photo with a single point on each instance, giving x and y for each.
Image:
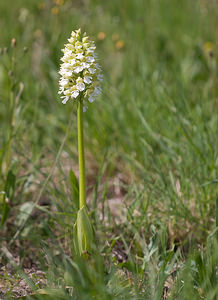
(80, 71)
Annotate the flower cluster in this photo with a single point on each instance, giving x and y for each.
(80, 72)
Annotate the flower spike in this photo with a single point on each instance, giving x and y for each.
(80, 72)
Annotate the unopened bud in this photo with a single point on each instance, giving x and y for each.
(25, 49)
(6, 50)
(13, 43)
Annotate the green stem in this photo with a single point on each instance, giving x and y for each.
(82, 184)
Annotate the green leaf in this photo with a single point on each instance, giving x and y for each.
(75, 239)
(8, 195)
(24, 213)
(10, 185)
(53, 293)
(85, 233)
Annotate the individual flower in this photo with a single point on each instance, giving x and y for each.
(80, 71)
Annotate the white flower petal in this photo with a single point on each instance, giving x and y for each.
(87, 79)
(90, 59)
(91, 99)
(79, 56)
(78, 47)
(65, 99)
(74, 94)
(72, 62)
(78, 69)
(92, 70)
(97, 91)
(80, 86)
(85, 65)
(100, 77)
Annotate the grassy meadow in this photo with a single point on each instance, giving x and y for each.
(150, 145)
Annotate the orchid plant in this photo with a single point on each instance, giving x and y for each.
(80, 81)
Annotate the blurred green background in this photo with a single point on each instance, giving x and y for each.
(150, 138)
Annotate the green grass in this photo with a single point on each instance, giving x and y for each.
(151, 150)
